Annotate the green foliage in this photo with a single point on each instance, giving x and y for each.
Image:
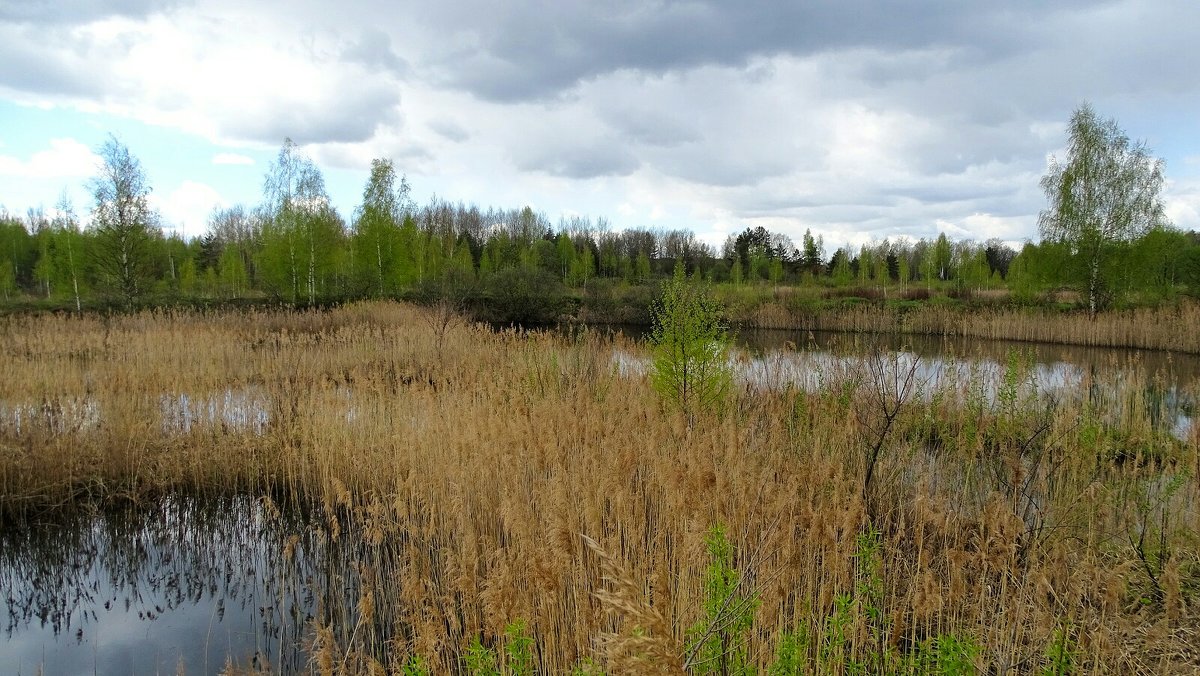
(523, 296)
(8, 280)
(122, 220)
(689, 347)
(415, 666)
(1188, 268)
(869, 579)
(944, 655)
(1037, 271)
(868, 595)
(813, 252)
(564, 251)
(379, 252)
(302, 236)
(518, 649)
(717, 644)
(18, 255)
(943, 258)
(480, 661)
(839, 647)
(583, 268)
(790, 655)
(295, 247)
(235, 281)
(834, 646)
(1016, 403)
(776, 271)
(840, 268)
(952, 656)
(1105, 196)
(1151, 534)
(974, 272)
(641, 269)
(1060, 654)
(1154, 271)
(544, 255)
(188, 277)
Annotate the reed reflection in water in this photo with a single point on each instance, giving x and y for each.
(147, 589)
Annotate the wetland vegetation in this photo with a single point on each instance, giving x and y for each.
(431, 494)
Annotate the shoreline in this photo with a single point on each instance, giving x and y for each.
(1171, 327)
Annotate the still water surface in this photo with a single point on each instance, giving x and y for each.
(181, 583)
(1166, 383)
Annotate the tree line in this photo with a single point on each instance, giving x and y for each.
(295, 247)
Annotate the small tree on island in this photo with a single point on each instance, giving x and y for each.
(1105, 196)
(689, 347)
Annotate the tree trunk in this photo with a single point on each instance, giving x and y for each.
(312, 268)
(1093, 286)
(74, 277)
(292, 261)
(379, 262)
(127, 281)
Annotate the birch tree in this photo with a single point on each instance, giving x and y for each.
(296, 215)
(377, 230)
(66, 225)
(122, 219)
(1105, 195)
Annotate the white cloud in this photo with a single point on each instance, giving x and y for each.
(981, 227)
(235, 74)
(186, 208)
(232, 158)
(65, 158)
(670, 115)
(1182, 203)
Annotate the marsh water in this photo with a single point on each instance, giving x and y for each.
(149, 589)
(193, 583)
(1166, 383)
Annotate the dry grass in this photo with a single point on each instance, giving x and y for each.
(1174, 328)
(465, 465)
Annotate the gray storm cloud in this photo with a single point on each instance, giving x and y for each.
(874, 116)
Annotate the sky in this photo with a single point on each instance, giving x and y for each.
(858, 120)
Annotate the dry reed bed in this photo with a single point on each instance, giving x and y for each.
(466, 472)
(1167, 328)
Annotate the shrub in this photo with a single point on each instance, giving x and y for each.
(690, 347)
(520, 296)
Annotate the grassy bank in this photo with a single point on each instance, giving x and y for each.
(514, 298)
(1174, 327)
(994, 316)
(519, 501)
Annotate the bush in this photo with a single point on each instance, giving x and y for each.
(690, 347)
(524, 296)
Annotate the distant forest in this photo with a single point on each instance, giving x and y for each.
(295, 248)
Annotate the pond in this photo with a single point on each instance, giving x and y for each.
(1166, 382)
(182, 583)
